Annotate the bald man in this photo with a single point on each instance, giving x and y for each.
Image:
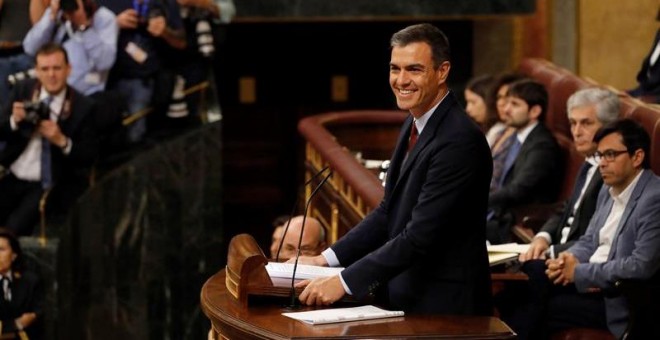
(313, 241)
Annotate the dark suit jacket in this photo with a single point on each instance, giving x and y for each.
(26, 297)
(422, 249)
(583, 214)
(649, 77)
(78, 127)
(534, 176)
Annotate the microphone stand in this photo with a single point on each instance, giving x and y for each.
(293, 304)
(293, 211)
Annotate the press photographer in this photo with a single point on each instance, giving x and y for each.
(50, 142)
(87, 31)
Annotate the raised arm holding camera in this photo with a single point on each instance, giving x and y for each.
(87, 31)
(50, 140)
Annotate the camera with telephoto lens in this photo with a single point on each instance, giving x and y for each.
(36, 111)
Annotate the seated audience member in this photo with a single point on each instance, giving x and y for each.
(148, 32)
(313, 240)
(528, 173)
(621, 242)
(22, 299)
(278, 227)
(497, 103)
(87, 32)
(48, 143)
(477, 98)
(648, 78)
(588, 111)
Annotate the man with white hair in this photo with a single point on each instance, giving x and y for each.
(313, 240)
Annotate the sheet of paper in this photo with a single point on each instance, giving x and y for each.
(496, 258)
(285, 270)
(508, 248)
(332, 315)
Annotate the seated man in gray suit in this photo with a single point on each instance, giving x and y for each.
(621, 242)
(529, 172)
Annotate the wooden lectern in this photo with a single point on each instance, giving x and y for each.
(235, 300)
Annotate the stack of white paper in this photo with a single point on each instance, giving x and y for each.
(304, 272)
(333, 315)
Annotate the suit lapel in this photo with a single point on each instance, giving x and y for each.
(594, 185)
(399, 154)
(630, 207)
(423, 140)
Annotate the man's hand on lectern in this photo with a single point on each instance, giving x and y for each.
(318, 260)
(321, 291)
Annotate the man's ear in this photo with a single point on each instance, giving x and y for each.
(638, 158)
(535, 112)
(443, 71)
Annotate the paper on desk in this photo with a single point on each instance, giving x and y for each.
(332, 315)
(508, 248)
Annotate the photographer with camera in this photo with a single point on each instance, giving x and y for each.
(89, 35)
(149, 30)
(50, 143)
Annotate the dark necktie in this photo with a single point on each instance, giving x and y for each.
(46, 174)
(579, 183)
(413, 137)
(6, 288)
(499, 162)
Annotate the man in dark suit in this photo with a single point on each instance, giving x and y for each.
(49, 144)
(621, 242)
(588, 111)
(531, 168)
(422, 250)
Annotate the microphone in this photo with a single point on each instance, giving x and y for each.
(293, 211)
(302, 230)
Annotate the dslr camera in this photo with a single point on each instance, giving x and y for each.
(36, 111)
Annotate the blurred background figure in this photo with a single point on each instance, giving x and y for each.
(478, 92)
(278, 227)
(648, 78)
(20, 297)
(313, 240)
(16, 18)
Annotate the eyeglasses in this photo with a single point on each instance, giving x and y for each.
(608, 155)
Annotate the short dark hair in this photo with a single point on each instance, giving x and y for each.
(633, 135)
(532, 92)
(17, 264)
(51, 48)
(426, 33)
(501, 80)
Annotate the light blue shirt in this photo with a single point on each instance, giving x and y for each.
(92, 52)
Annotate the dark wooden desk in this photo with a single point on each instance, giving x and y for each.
(264, 321)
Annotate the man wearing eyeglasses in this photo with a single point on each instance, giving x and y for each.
(621, 242)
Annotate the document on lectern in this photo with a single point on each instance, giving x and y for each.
(333, 315)
(303, 272)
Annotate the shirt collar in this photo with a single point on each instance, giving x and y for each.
(624, 196)
(57, 99)
(524, 133)
(8, 276)
(420, 122)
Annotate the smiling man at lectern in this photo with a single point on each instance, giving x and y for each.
(422, 250)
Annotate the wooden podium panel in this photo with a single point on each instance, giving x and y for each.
(263, 319)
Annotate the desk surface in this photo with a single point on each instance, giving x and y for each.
(263, 320)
